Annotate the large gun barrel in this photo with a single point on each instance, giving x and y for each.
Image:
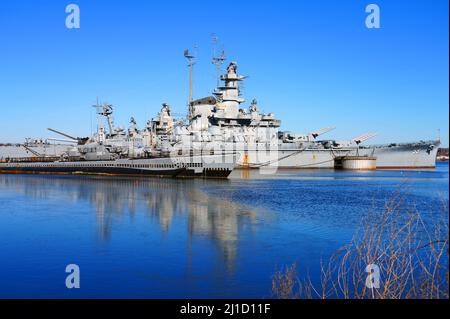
(63, 134)
(322, 131)
(79, 140)
(62, 140)
(362, 138)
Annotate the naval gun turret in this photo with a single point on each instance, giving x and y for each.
(354, 142)
(289, 137)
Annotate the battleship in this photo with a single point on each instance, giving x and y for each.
(115, 152)
(255, 136)
(220, 124)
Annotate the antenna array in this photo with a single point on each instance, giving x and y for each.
(217, 60)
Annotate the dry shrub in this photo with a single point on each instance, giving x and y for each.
(412, 258)
(287, 285)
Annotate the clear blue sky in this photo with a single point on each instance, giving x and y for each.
(312, 63)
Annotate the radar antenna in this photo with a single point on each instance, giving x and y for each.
(105, 110)
(97, 106)
(217, 60)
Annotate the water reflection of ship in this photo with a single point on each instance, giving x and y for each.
(161, 200)
(219, 219)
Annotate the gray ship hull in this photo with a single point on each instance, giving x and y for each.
(290, 158)
(404, 156)
(194, 166)
(390, 156)
(393, 156)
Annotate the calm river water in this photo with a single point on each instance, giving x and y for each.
(164, 238)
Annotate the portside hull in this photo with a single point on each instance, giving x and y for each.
(408, 156)
(207, 173)
(196, 166)
(295, 158)
(92, 171)
(178, 173)
(401, 156)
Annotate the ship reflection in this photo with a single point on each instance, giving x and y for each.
(160, 200)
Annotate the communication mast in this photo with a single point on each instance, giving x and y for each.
(191, 62)
(105, 110)
(217, 60)
(97, 107)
